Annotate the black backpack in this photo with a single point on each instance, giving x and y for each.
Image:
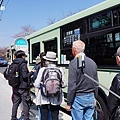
(51, 83)
(12, 74)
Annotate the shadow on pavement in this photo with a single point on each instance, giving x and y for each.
(32, 113)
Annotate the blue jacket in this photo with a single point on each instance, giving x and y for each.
(36, 67)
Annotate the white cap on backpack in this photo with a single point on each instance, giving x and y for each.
(50, 56)
(38, 59)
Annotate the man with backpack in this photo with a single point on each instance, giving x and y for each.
(50, 81)
(17, 75)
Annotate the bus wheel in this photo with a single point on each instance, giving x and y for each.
(101, 109)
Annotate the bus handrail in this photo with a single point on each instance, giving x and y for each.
(101, 85)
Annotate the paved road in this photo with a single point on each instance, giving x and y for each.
(5, 101)
(2, 69)
(6, 104)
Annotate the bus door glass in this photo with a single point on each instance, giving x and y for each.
(35, 50)
(50, 46)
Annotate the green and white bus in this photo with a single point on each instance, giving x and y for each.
(99, 27)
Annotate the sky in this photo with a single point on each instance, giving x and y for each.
(36, 13)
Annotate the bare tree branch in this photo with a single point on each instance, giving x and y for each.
(51, 21)
(26, 30)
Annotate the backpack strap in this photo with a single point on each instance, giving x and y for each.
(43, 74)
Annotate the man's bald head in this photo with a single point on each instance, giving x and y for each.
(78, 46)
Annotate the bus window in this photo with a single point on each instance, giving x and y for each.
(66, 56)
(115, 17)
(100, 21)
(119, 16)
(117, 36)
(35, 50)
(50, 46)
(101, 49)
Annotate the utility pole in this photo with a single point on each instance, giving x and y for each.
(0, 7)
(1, 3)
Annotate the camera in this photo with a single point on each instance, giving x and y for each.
(80, 61)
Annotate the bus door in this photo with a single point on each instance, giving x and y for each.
(50, 45)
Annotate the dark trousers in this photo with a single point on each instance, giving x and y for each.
(18, 96)
(53, 109)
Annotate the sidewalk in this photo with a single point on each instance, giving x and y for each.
(6, 103)
(5, 99)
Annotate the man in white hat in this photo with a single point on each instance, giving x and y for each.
(49, 100)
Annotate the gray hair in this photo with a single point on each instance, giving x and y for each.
(47, 63)
(79, 45)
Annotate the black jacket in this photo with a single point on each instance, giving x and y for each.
(113, 101)
(24, 73)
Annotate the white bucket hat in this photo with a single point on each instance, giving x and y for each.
(51, 56)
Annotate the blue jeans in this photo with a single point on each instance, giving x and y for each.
(39, 114)
(83, 107)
